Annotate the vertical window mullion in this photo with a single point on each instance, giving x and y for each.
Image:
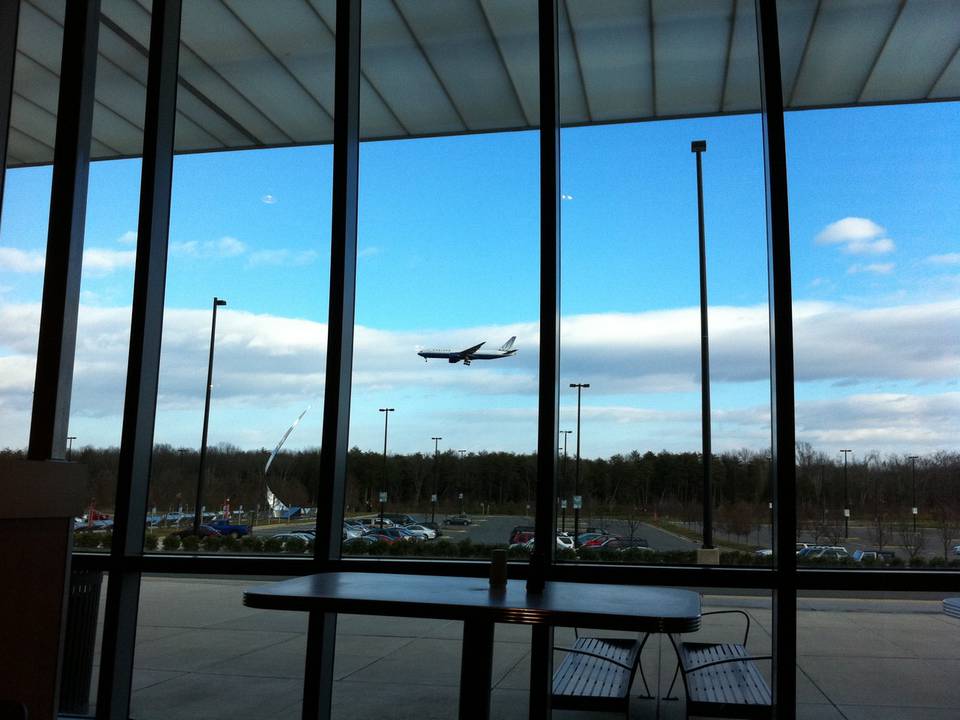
(781, 363)
(143, 364)
(9, 13)
(541, 562)
(322, 627)
(68, 208)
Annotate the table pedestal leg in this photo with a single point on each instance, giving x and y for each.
(541, 673)
(476, 670)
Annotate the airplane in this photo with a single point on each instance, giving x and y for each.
(471, 354)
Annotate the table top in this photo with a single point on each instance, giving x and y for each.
(614, 607)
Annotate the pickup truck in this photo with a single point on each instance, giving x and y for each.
(228, 529)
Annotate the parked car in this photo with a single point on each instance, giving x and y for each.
(285, 536)
(456, 520)
(564, 542)
(763, 552)
(203, 531)
(520, 534)
(399, 519)
(432, 526)
(228, 529)
(881, 556)
(421, 532)
(834, 552)
(351, 532)
(584, 538)
(614, 542)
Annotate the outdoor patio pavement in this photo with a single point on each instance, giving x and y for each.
(201, 655)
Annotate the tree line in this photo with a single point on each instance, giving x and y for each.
(874, 487)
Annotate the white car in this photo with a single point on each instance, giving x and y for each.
(565, 542)
(421, 532)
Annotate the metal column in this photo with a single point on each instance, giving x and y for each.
(68, 210)
(541, 665)
(143, 364)
(781, 365)
(9, 17)
(322, 630)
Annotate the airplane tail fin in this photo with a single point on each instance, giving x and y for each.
(508, 344)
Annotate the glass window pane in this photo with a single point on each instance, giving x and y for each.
(640, 87)
(248, 267)
(443, 421)
(874, 197)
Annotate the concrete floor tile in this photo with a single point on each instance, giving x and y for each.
(873, 712)
(142, 679)
(398, 701)
(279, 620)
(891, 682)
(281, 659)
(818, 711)
(203, 648)
(197, 696)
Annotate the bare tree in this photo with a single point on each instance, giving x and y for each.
(881, 530)
(948, 526)
(912, 540)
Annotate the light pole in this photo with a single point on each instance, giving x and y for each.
(461, 453)
(71, 438)
(386, 419)
(436, 455)
(913, 476)
(698, 147)
(576, 478)
(563, 473)
(198, 508)
(846, 497)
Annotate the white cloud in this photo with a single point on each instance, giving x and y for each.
(281, 256)
(566, 197)
(875, 268)
(223, 248)
(100, 261)
(368, 251)
(21, 261)
(856, 236)
(945, 259)
(268, 199)
(128, 238)
(638, 365)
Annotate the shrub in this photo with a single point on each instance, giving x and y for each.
(917, 561)
(897, 562)
(937, 562)
(212, 543)
(272, 545)
(172, 542)
(229, 544)
(87, 540)
(191, 543)
(251, 543)
(295, 545)
(150, 541)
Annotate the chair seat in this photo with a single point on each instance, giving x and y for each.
(951, 606)
(735, 688)
(588, 682)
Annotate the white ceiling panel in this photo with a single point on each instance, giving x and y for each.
(260, 74)
(690, 55)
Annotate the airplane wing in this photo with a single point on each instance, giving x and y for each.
(470, 351)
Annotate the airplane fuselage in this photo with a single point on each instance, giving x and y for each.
(470, 354)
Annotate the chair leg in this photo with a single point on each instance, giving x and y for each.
(646, 687)
(672, 683)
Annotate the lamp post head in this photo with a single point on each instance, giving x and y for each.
(698, 146)
(219, 302)
(579, 385)
(386, 410)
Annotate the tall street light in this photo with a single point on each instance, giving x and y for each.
(198, 508)
(563, 473)
(436, 455)
(71, 438)
(846, 497)
(577, 501)
(386, 418)
(913, 475)
(698, 147)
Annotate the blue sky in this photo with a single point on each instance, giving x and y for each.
(449, 256)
